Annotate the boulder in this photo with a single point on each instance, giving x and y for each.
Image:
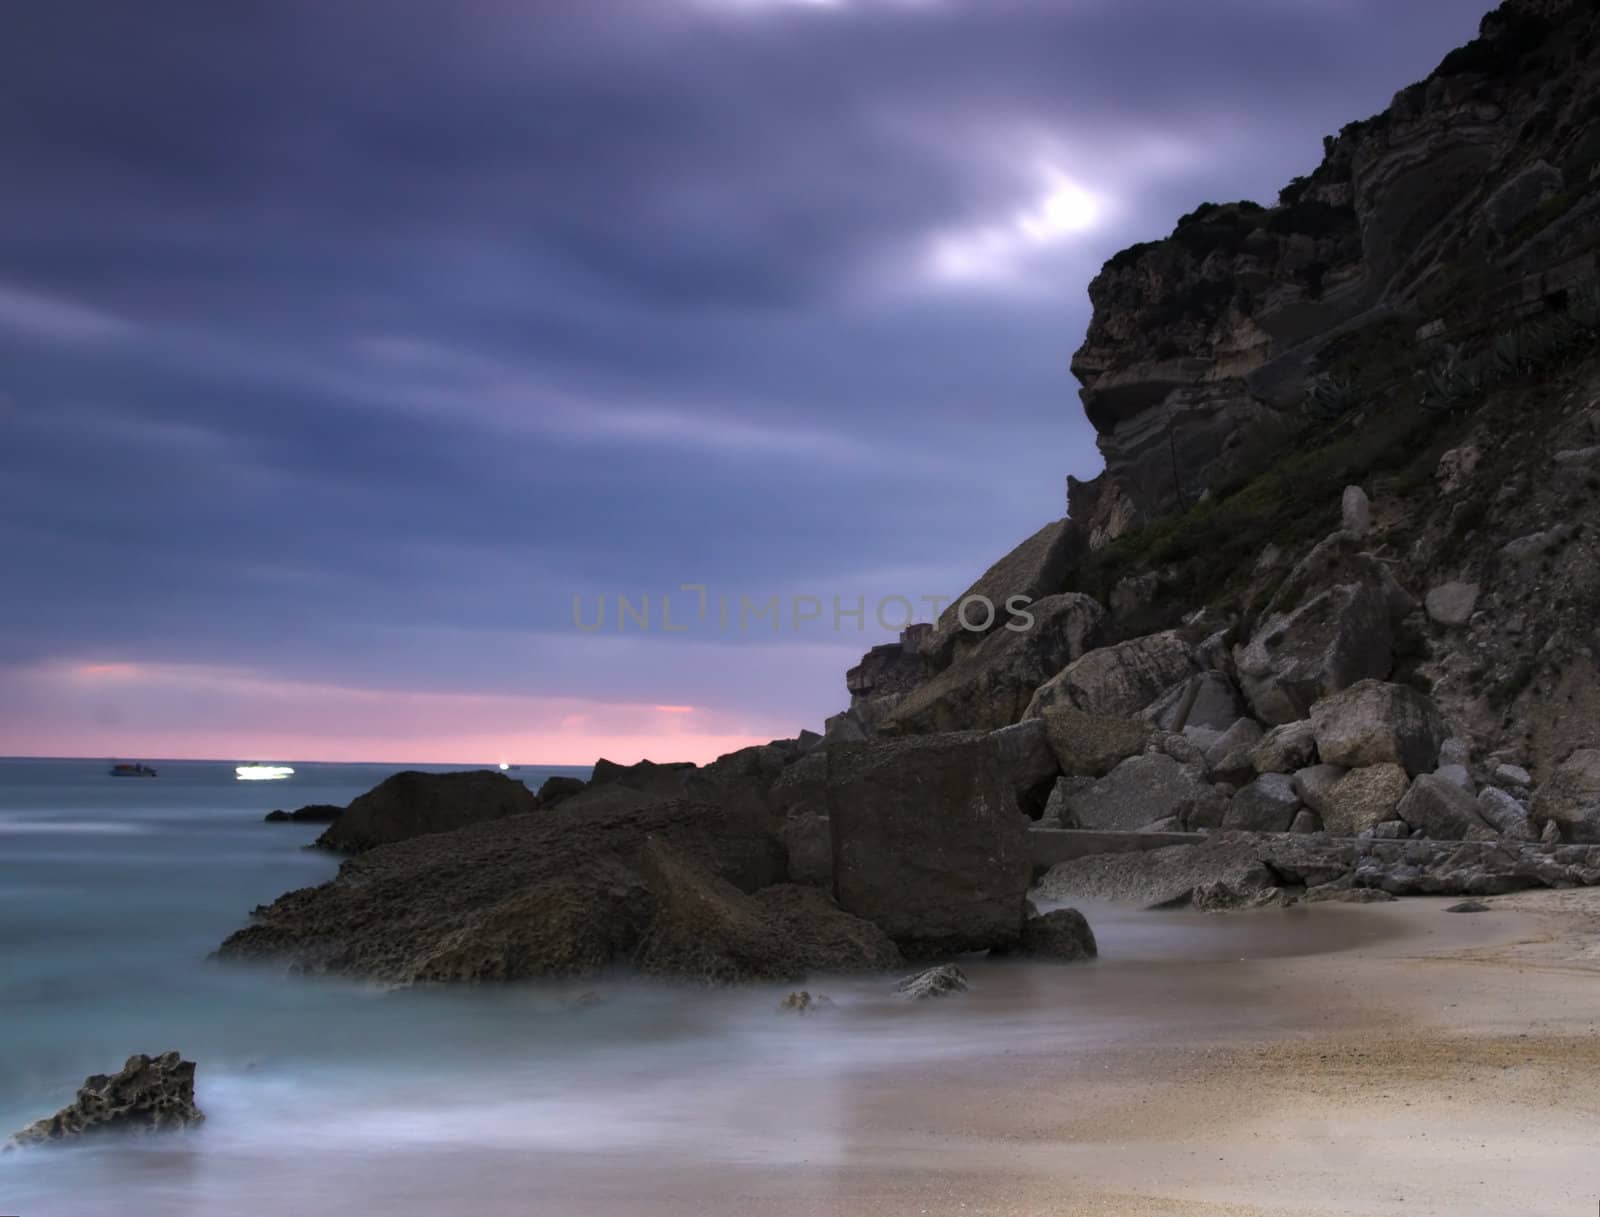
(1570, 798)
(1062, 934)
(1037, 568)
(1121, 680)
(991, 683)
(808, 844)
(1155, 877)
(928, 842)
(822, 937)
(149, 1094)
(1027, 762)
(706, 930)
(1451, 604)
(941, 981)
(1230, 758)
(1286, 748)
(561, 893)
(1443, 811)
(1090, 745)
(1363, 799)
(1512, 777)
(1456, 775)
(1506, 815)
(1224, 897)
(1330, 625)
(1268, 804)
(802, 787)
(1137, 793)
(1373, 722)
(1306, 820)
(312, 813)
(411, 804)
(557, 789)
(1209, 700)
(1314, 784)
(1355, 512)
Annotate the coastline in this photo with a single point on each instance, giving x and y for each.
(1449, 1068)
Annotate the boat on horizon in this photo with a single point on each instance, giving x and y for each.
(262, 773)
(124, 769)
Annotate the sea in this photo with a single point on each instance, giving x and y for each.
(569, 1099)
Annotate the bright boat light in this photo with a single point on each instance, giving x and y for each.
(262, 773)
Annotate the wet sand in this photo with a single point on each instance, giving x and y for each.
(1380, 1059)
(1450, 1066)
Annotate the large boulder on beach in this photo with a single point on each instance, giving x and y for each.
(1139, 792)
(928, 842)
(1570, 798)
(561, 893)
(1153, 877)
(1267, 804)
(1092, 745)
(1061, 934)
(1374, 723)
(1362, 799)
(706, 930)
(412, 804)
(1440, 809)
(149, 1094)
(1121, 680)
(990, 682)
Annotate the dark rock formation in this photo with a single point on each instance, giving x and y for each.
(561, 893)
(1089, 745)
(1139, 793)
(928, 842)
(991, 682)
(1062, 934)
(942, 981)
(411, 804)
(1119, 681)
(1469, 194)
(1570, 797)
(1373, 723)
(312, 813)
(557, 789)
(150, 1094)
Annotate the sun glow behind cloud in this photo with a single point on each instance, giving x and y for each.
(996, 252)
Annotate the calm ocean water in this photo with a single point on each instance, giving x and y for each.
(334, 1097)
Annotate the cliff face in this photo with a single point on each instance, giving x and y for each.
(1470, 199)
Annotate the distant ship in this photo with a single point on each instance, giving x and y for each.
(125, 770)
(262, 773)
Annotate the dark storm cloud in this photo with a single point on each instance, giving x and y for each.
(328, 326)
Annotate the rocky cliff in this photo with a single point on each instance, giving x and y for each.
(1351, 436)
(1469, 200)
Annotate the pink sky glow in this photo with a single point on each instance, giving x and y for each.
(118, 709)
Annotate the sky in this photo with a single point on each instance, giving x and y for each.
(356, 358)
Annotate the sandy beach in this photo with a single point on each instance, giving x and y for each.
(1448, 1068)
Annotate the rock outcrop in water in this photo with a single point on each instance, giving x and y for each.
(412, 804)
(149, 1094)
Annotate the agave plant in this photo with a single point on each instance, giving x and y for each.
(1451, 379)
(1329, 396)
